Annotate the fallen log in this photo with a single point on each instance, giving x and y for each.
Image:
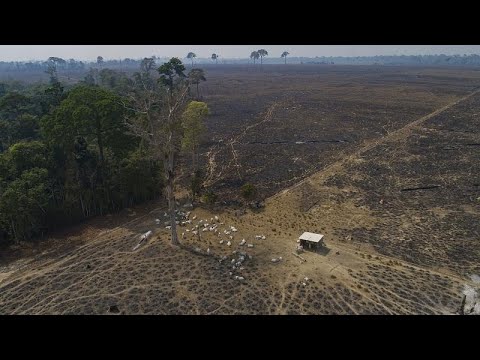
(139, 244)
(142, 240)
(301, 258)
(422, 188)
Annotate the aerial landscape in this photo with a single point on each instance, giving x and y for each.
(274, 182)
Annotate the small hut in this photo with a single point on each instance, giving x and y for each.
(311, 241)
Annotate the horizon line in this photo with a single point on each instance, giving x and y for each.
(247, 58)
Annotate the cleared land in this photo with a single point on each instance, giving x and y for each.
(399, 204)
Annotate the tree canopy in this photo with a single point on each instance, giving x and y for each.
(70, 152)
(255, 56)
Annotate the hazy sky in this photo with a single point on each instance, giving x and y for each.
(90, 52)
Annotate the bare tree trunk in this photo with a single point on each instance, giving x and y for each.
(12, 224)
(83, 207)
(198, 93)
(169, 168)
(194, 163)
(285, 60)
(101, 151)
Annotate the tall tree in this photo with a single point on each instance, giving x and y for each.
(24, 156)
(262, 53)
(195, 76)
(92, 77)
(215, 57)
(156, 113)
(23, 203)
(148, 64)
(16, 119)
(96, 115)
(100, 61)
(193, 122)
(191, 55)
(171, 73)
(91, 112)
(52, 68)
(255, 56)
(284, 55)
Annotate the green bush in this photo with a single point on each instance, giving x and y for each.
(196, 183)
(249, 191)
(210, 197)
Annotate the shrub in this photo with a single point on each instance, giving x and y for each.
(210, 197)
(249, 191)
(196, 183)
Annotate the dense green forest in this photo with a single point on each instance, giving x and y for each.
(69, 152)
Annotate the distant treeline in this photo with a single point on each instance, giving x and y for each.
(72, 65)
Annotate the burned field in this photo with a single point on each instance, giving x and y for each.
(396, 194)
(276, 126)
(424, 191)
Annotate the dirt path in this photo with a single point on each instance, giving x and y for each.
(212, 174)
(33, 267)
(370, 144)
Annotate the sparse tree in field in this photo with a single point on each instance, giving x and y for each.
(195, 76)
(284, 55)
(262, 53)
(215, 57)
(255, 56)
(191, 56)
(156, 116)
(193, 128)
